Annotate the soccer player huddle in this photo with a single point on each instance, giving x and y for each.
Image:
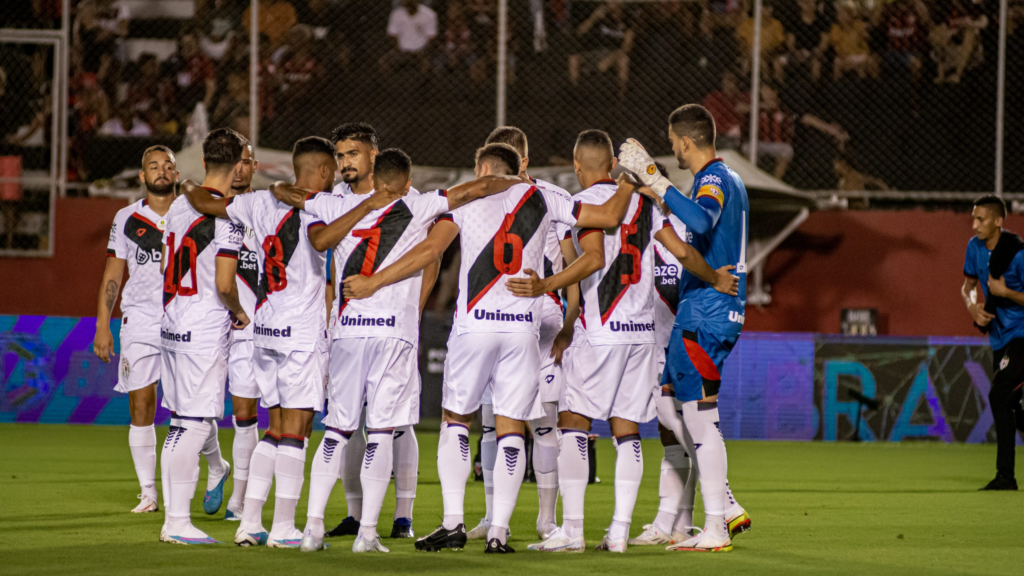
(619, 303)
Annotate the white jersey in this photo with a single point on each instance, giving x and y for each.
(376, 242)
(248, 277)
(341, 189)
(557, 232)
(501, 236)
(668, 285)
(290, 302)
(137, 238)
(195, 321)
(616, 300)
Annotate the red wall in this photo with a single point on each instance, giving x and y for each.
(906, 264)
(67, 284)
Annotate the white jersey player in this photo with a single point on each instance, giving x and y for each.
(200, 307)
(555, 336)
(373, 356)
(289, 337)
(136, 242)
(611, 366)
(242, 385)
(494, 343)
(356, 148)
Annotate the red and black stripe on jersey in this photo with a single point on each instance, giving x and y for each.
(144, 233)
(666, 284)
(377, 242)
(200, 236)
(625, 269)
(549, 271)
(277, 253)
(521, 223)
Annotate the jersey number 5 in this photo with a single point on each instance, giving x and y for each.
(277, 277)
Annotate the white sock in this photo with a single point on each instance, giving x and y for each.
(323, 476)
(675, 468)
(453, 467)
(289, 473)
(629, 470)
(247, 435)
(407, 466)
(573, 473)
(214, 459)
(488, 453)
(545, 463)
(375, 477)
(174, 431)
(508, 478)
(701, 420)
(261, 477)
(182, 457)
(142, 444)
(350, 473)
(732, 507)
(668, 416)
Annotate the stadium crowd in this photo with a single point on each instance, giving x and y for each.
(836, 75)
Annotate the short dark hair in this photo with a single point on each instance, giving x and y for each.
(994, 203)
(312, 145)
(358, 131)
(392, 163)
(661, 169)
(510, 135)
(694, 122)
(156, 148)
(503, 155)
(596, 139)
(222, 147)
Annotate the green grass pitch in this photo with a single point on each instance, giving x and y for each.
(817, 508)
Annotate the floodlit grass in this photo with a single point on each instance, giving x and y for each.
(817, 508)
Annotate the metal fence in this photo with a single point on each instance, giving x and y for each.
(854, 95)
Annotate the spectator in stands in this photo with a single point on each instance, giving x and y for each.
(325, 20)
(300, 67)
(275, 19)
(728, 106)
(125, 124)
(99, 30)
(956, 42)
(776, 127)
(605, 39)
(849, 40)
(904, 23)
(232, 108)
(808, 39)
(220, 21)
(457, 52)
(149, 91)
(193, 75)
(773, 42)
(412, 28)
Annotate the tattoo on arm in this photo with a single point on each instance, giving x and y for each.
(110, 294)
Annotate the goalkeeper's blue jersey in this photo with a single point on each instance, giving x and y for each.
(726, 243)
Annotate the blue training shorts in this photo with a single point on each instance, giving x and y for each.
(693, 364)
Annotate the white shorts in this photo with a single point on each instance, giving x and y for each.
(551, 378)
(194, 383)
(507, 363)
(241, 376)
(139, 366)
(612, 381)
(379, 373)
(294, 379)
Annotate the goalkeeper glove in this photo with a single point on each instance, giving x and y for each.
(633, 157)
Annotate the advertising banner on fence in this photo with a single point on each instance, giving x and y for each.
(775, 386)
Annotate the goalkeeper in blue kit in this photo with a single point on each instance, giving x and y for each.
(708, 323)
